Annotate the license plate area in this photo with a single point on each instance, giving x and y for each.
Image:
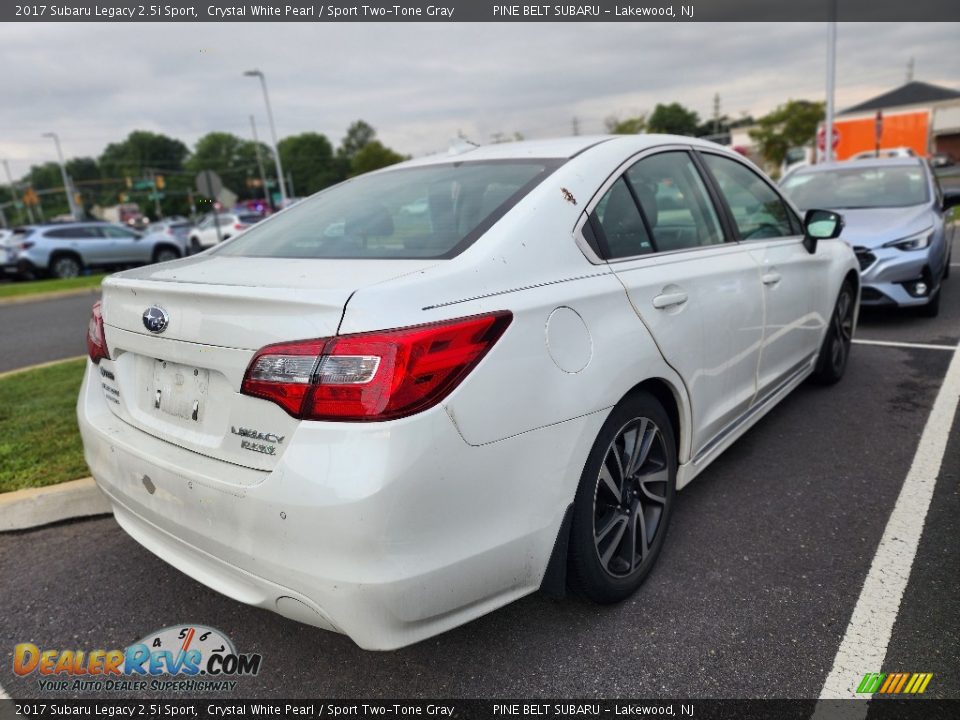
(179, 391)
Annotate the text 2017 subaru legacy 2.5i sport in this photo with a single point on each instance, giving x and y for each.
(433, 389)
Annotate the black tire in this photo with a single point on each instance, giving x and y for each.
(65, 266)
(616, 534)
(195, 246)
(932, 308)
(835, 351)
(165, 254)
(946, 270)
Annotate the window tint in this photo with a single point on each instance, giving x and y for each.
(675, 202)
(74, 233)
(616, 219)
(758, 211)
(433, 211)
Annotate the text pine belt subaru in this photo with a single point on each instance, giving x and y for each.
(433, 389)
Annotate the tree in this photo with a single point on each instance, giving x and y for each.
(140, 151)
(791, 125)
(373, 156)
(627, 126)
(358, 134)
(308, 158)
(232, 158)
(674, 119)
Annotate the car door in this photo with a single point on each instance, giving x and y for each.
(698, 294)
(125, 246)
(792, 278)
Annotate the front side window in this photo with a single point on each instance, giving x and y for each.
(434, 211)
(118, 233)
(758, 211)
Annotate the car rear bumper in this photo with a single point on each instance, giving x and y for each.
(387, 532)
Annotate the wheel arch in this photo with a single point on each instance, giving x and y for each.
(63, 252)
(674, 402)
(164, 246)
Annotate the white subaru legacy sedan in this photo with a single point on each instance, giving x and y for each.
(433, 389)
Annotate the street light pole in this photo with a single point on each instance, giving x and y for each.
(263, 175)
(831, 73)
(273, 134)
(71, 202)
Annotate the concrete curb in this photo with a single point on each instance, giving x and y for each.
(39, 366)
(26, 509)
(52, 295)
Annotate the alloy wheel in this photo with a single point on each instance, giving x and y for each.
(842, 330)
(630, 497)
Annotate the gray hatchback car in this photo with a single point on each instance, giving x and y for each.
(894, 214)
(64, 250)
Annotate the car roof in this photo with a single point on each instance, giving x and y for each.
(858, 164)
(555, 148)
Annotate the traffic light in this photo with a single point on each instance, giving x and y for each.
(129, 182)
(161, 183)
(122, 197)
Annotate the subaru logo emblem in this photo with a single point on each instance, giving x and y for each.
(155, 319)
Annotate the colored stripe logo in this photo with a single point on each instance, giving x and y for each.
(894, 683)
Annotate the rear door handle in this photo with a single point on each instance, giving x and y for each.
(669, 300)
(771, 278)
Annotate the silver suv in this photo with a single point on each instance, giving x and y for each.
(64, 250)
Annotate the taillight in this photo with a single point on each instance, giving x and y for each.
(96, 340)
(239, 226)
(375, 375)
(20, 247)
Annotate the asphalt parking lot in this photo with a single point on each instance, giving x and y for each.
(765, 561)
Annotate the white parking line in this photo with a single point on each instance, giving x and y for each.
(891, 343)
(864, 645)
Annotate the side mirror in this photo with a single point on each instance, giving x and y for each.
(820, 225)
(951, 198)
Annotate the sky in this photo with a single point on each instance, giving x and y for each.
(421, 84)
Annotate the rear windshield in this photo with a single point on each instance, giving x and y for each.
(426, 212)
(250, 219)
(864, 187)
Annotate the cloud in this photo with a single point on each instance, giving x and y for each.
(419, 84)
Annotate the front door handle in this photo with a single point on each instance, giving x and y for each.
(669, 300)
(771, 278)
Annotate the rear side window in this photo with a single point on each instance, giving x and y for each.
(616, 220)
(73, 233)
(434, 211)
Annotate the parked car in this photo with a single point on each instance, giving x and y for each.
(894, 213)
(393, 428)
(942, 160)
(205, 234)
(176, 229)
(885, 153)
(64, 250)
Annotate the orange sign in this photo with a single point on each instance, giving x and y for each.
(911, 129)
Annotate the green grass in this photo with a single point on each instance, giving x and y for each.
(33, 287)
(39, 438)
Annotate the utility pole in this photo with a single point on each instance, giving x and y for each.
(831, 75)
(263, 175)
(293, 193)
(71, 201)
(910, 70)
(576, 125)
(13, 190)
